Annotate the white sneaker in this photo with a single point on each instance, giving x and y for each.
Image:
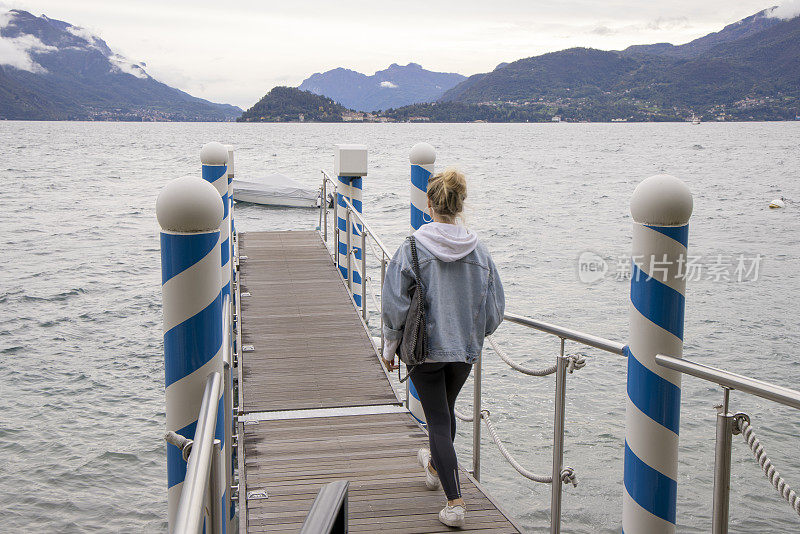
(431, 480)
(453, 516)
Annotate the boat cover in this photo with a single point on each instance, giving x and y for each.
(274, 189)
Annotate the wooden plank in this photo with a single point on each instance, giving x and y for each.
(292, 459)
(310, 347)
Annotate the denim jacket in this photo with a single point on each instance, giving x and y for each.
(464, 302)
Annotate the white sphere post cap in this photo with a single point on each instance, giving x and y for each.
(189, 204)
(422, 154)
(214, 154)
(662, 200)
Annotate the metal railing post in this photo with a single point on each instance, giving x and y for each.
(349, 229)
(321, 193)
(228, 463)
(215, 492)
(722, 468)
(476, 418)
(336, 229)
(324, 206)
(189, 515)
(364, 272)
(558, 441)
(383, 276)
(227, 384)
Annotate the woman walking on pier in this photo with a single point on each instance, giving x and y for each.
(464, 302)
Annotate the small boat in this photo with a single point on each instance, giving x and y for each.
(695, 119)
(777, 203)
(275, 190)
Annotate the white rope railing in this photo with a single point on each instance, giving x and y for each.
(567, 474)
(576, 361)
(743, 422)
(463, 417)
(372, 295)
(544, 479)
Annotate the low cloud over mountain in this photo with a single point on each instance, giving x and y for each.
(50, 69)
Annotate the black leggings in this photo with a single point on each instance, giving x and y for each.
(438, 385)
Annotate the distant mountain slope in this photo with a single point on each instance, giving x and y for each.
(749, 70)
(583, 71)
(289, 104)
(732, 32)
(390, 88)
(52, 70)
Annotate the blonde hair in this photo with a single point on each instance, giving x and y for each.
(446, 192)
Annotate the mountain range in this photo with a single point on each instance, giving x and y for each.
(749, 70)
(393, 87)
(52, 70)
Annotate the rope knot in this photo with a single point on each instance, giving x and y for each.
(568, 476)
(576, 361)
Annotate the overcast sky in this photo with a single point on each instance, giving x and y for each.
(236, 54)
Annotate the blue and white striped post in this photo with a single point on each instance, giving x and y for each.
(189, 211)
(422, 158)
(214, 157)
(350, 166)
(214, 160)
(661, 207)
(230, 188)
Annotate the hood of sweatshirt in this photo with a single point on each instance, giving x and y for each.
(448, 242)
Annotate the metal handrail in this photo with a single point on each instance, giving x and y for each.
(352, 219)
(726, 379)
(189, 517)
(227, 384)
(568, 333)
(367, 228)
(561, 368)
(328, 514)
(726, 425)
(359, 218)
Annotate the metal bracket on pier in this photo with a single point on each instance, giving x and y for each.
(183, 443)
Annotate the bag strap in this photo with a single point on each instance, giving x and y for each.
(415, 263)
(414, 258)
(415, 267)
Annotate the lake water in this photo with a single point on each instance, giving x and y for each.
(81, 372)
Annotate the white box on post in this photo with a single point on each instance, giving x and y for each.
(350, 160)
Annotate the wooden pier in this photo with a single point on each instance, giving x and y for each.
(318, 407)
